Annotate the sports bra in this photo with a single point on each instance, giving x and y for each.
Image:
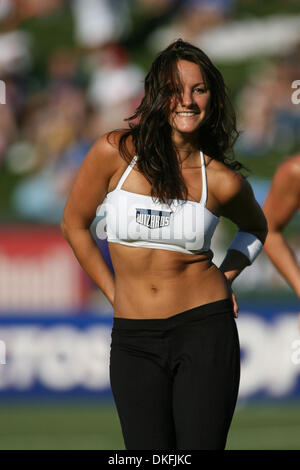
(137, 220)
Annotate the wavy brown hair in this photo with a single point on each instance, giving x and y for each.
(151, 132)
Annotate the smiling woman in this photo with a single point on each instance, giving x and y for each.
(190, 112)
(161, 187)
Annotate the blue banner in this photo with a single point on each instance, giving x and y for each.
(67, 355)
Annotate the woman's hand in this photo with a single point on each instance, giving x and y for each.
(235, 304)
(233, 298)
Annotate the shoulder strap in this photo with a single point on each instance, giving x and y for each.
(204, 182)
(126, 172)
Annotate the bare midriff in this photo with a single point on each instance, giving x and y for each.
(154, 283)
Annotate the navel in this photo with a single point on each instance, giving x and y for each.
(153, 288)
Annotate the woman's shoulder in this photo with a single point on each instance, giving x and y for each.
(231, 191)
(287, 176)
(224, 182)
(110, 142)
(105, 151)
(290, 168)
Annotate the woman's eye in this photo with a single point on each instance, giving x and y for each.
(199, 90)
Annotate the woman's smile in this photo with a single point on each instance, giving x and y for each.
(186, 114)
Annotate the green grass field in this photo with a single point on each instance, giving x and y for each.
(85, 426)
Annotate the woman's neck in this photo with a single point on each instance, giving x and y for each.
(186, 146)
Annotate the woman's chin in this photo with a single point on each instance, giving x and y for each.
(187, 130)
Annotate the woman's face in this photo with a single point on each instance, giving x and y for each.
(188, 112)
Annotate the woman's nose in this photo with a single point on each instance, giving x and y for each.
(187, 98)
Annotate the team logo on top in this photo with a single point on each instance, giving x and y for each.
(153, 218)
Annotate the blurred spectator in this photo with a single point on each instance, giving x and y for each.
(116, 86)
(269, 117)
(56, 143)
(7, 128)
(29, 8)
(5, 9)
(192, 19)
(146, 16)
(63, 67)
(14, 12)
(16, 61)
(99, 22)
(14, 52)
(201, 15)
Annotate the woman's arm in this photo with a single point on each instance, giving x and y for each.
(88, 191)
(240, 206)
(281, 204)
(237, 203)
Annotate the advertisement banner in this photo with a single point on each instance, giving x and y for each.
(61, 356)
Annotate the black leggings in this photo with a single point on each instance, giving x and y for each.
(175, 381)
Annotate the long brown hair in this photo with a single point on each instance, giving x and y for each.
(151, 132)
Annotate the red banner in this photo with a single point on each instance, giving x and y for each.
(39, 272)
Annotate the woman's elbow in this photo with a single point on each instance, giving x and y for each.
(263, 231)
(71, 226)
(65, 225)
(260, 228)
(64, 229)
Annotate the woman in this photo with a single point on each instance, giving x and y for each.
(281, 204)
(163, 185)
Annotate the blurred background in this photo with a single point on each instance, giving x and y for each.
(71, 70)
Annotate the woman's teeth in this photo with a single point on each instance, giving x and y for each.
(186, 114)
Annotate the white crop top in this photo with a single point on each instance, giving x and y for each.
(136, 220)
